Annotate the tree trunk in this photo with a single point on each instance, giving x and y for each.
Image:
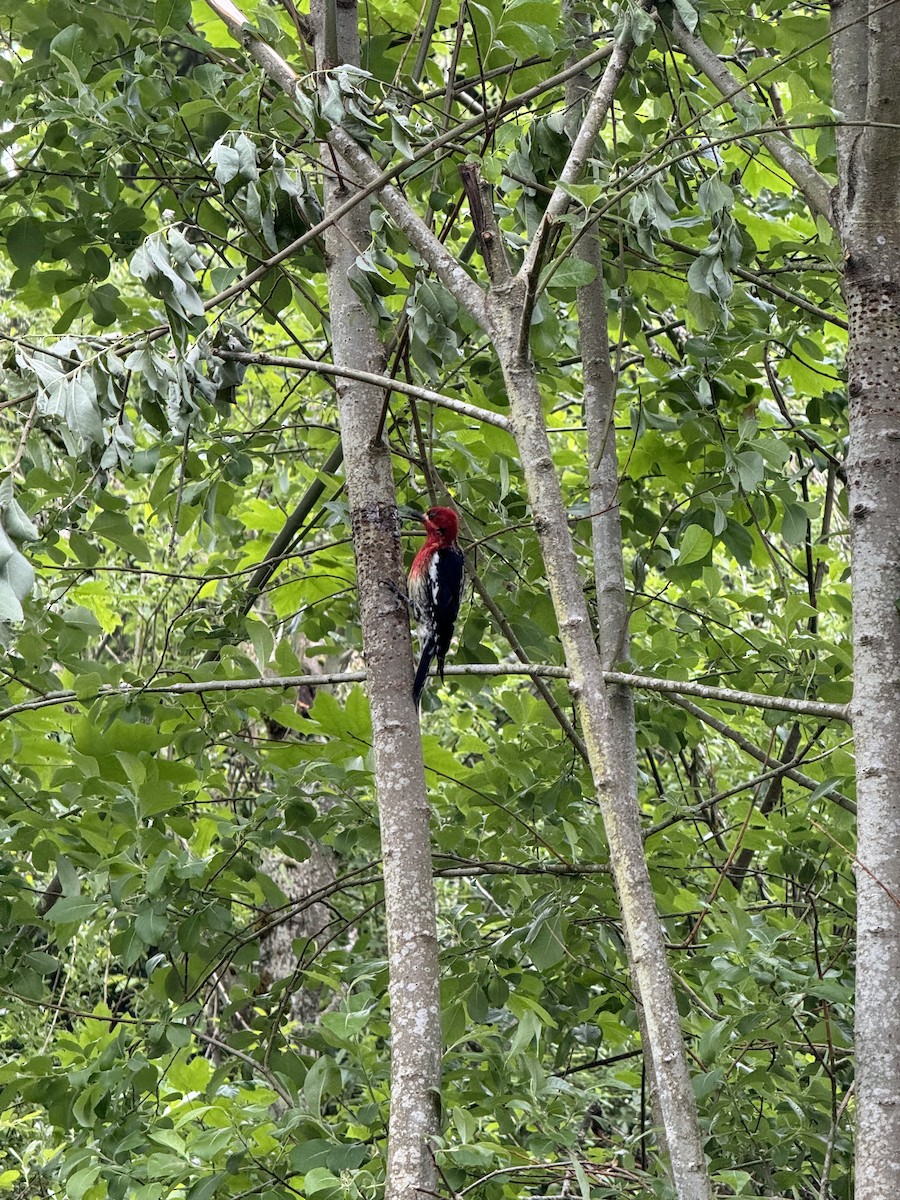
(872, 286)
(866, 57)
(615, 794)
(506, 318)
(599, 403)
(399, 771)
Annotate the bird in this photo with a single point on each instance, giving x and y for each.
(435, 590)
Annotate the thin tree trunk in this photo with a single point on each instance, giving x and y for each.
(618, 803)
(606, 714)
(874, 480)
(866, 58)
(399, 772)
(599, 400)
(506, 319)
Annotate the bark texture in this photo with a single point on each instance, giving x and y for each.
(866, 57)
(408, 890)
(399, 772)
(414, 979)
(310, 926)
(618, 804)
(599, 402)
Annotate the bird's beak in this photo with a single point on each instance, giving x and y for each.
(408, 513)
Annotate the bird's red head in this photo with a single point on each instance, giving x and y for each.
(441, 525)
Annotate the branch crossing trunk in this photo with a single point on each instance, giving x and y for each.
(413, 970)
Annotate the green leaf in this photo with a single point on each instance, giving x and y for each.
(69, 879)
(640, 24)
(16, 522)
(794, 525)
(320, 1180)
(171, 14)
(16, 579)
(25, 242)
(572, 272)
(206, 1189)
(321, 1080)
(714, 195)
(546, 941)
(263, 642)
(115, 527)
(78, 1184)
(751, 468)
(688, 14)
(87, 684)
(72, 910)
(694, 545)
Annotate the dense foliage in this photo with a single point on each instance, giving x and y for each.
(154, 1042)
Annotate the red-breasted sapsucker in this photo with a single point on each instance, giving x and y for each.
(435, 590)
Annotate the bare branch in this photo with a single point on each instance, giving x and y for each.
(480, 196)
(649, 683)
(286, 538)
(472, 411)
(772, 776)
(578, 156)
(448, 269)
(809, 708)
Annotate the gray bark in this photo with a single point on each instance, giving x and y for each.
(618, 803)
(309, 926)
(399, 771)
(866, 59)
(605, 720)
(599, 401)
(506, 320)
(413, 969)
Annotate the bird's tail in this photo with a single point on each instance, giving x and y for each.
(428, 652)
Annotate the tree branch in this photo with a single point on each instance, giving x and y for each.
(376, 180)
(815, 187)
(285, 539)
(455, 278)
(757, 280)
(810, 708)
(472, 411)
(760, 755)
(773, 775)
(576, 162)
(649, 683)
(599, 407)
